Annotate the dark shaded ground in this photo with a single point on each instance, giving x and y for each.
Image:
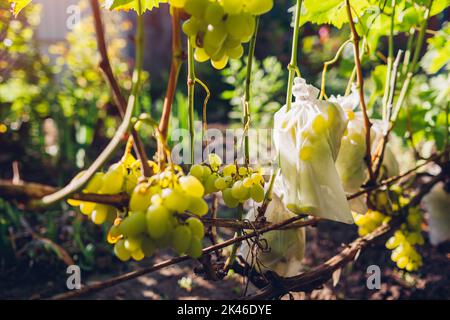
(432, 282)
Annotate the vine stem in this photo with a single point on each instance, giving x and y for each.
(325, 68)
(247, 91)
(415, 59)
(177, 59)
(360, 79)
(121, 103)
(191, 91)
(390, 60)
(292, 67)
(76, 185)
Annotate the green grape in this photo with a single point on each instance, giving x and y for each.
(175, 200)
(196, 8)
(133, 243)
(257, 192)
(257, 178)
(214, 161)
(133, 224)
(196, 227)
(191, 27)
(247, 182)
(201, 56)
(158, 223)
(74, 203)
(113, 180)
(114, 231)
(231, 43)
(140, 198)
(86, 208)
(181, 239)
(214, 13)
(95, 183)
(243, 171)
(220, 183)
(100, 213)
(197, 171)
(211, 49)
(138, 255)
(236, 52)
(206, 173)
(121, 252)
(192, 186)
(148, 246)
(210, 184)
(177, 3)
(228, 198)
(198, 206)
(232, 6)
(240, 26)
(229, 170)
(239, 192)
(195, 248)
(258, 7)
(402, 262)
(215, 35)
(220, 63)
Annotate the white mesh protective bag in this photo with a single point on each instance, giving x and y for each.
(350, 162)
(307, 139)
(437, 204)
(287, 247)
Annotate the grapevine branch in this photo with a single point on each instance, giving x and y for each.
(360, 79)
(121, 103)
(177, 59)
(134, 274)
(292, 67)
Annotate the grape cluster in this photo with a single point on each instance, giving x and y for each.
(403, 242)
(162, 212)
(217, 28)
(370, 221)
(120, 177)
(236, 183)
(155, 221)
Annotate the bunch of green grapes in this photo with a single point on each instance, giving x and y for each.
(154, 219)
(370, 221)
(236, 183)
(404, 240)
(120, 177)
(218, 28)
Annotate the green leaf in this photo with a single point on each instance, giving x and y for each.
(133, 5)
(18, 5)
(331, 11)
(439, 6)
(438, 54)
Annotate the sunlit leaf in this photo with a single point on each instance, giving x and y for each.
(133, 5)
(18, 5)
(331, 11)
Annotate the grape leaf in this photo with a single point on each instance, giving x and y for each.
(18, 5)
(438, 54)
(330, 11)
(133, 5)
(439, 6)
